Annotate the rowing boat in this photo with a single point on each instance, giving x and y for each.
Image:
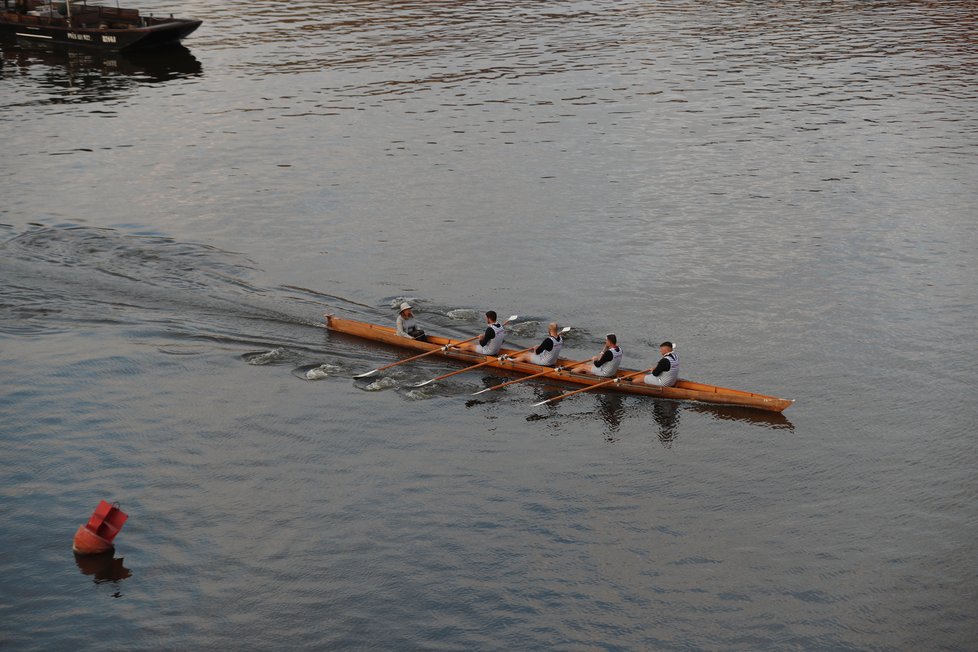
(684, 390)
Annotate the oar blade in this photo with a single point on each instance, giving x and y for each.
(513, 318)
(422, 384)
(367, 374)
(487, 389)
(542, 403)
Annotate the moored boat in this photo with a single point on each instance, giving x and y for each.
(91, 26)
(685, 390)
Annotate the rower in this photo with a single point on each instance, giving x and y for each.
(547, 354)
(492, 340)
(666, 373)
(406, 326)
(606, 363)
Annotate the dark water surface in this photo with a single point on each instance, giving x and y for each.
(786, 189)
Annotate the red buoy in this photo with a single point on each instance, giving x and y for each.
(96, 536)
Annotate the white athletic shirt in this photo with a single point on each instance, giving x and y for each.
(549, 358)
(492, 346)
(666, 378)
(670, 377)
(610, 368)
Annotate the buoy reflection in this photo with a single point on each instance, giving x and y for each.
(105, 567)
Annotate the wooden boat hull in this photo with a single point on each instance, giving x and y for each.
(684, 390)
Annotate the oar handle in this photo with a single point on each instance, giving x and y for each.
(569, 367)
(440, 349)
(505, 356)
(610, 381)
(555, 370)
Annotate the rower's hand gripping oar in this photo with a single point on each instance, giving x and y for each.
(440, 349)
(555, 371)
(502, 358)
(610, 381)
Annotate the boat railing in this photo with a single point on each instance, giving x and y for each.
(105, 17)
(29, 19)
(83, 16)
(109, 13)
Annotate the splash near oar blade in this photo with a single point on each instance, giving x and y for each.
(440, 349)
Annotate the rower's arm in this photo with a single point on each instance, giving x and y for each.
(546, 345)
(664, 365)
(487, 336)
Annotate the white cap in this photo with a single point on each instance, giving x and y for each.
(405, 306)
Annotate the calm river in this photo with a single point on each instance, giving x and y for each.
(788, 190)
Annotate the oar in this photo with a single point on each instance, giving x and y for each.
(427, 353)
(506, 356)
(595, 386)
(475, 366)
(555, 370)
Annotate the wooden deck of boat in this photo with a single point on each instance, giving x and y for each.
(683, 390)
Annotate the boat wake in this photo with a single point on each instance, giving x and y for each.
(190, 299)
(56, 279)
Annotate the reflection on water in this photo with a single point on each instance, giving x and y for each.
(773, 420)
(105, 568)
(611, 410)
(71, 76)
(614, 409)
(666, 416)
